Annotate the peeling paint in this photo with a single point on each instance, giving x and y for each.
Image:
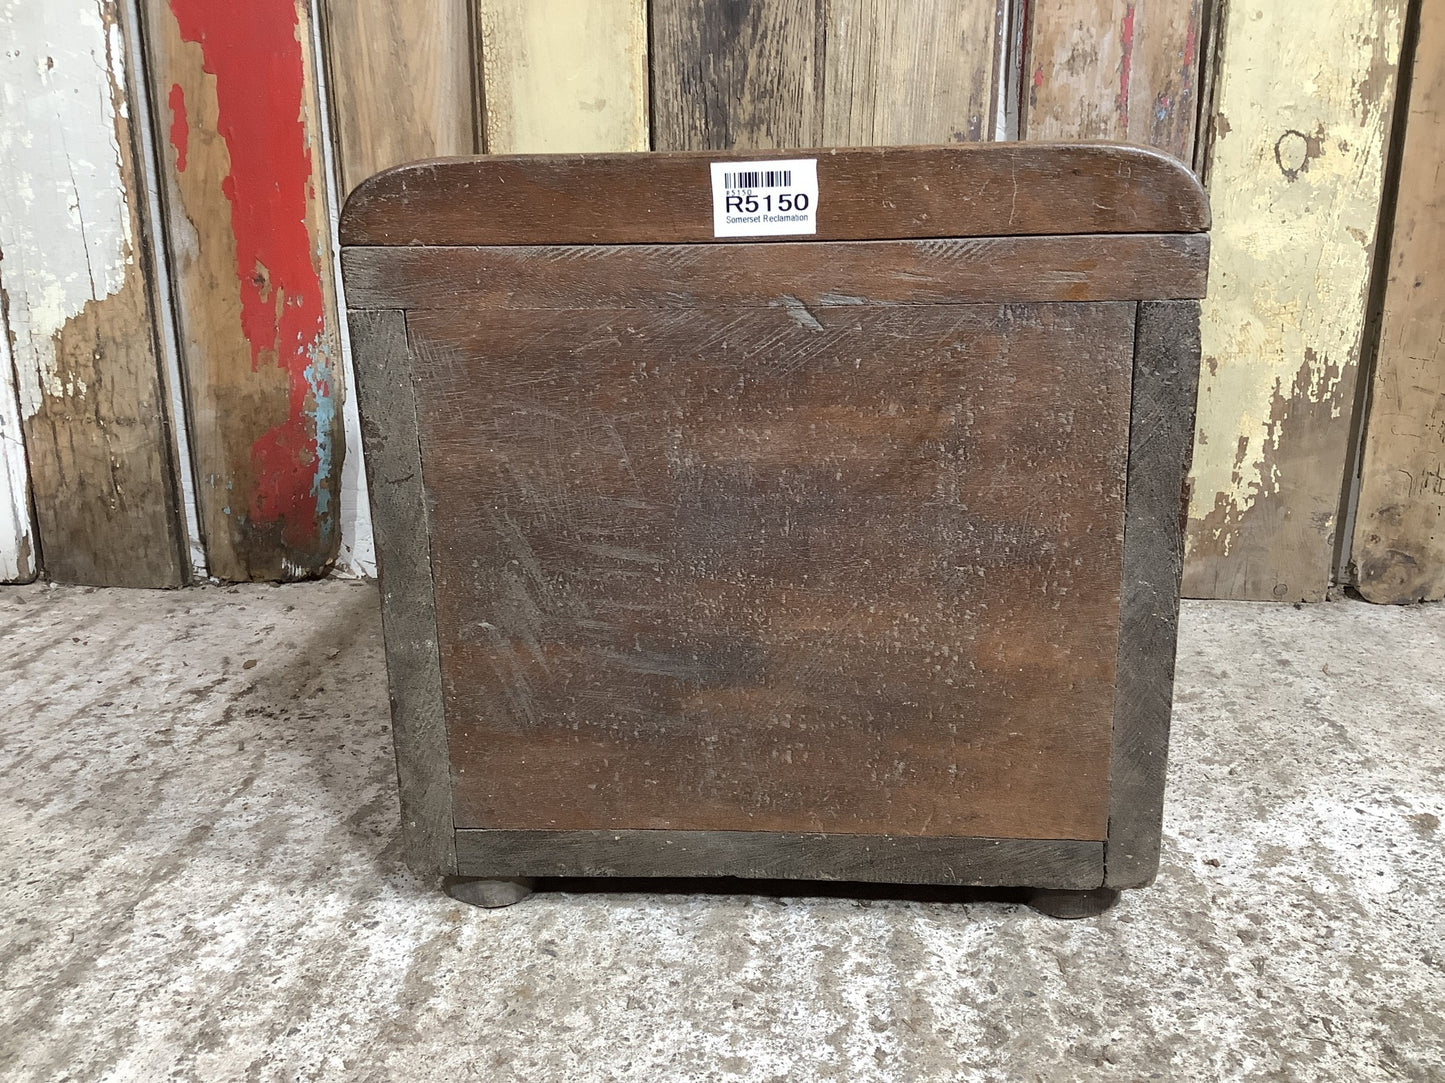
(1119, 70)
(248, 211)
(1292, 188)
(65, 232)
(82, 323)
(17, 543)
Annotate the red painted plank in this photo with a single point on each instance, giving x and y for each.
(257, 303)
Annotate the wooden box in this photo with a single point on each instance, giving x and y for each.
(848, 555)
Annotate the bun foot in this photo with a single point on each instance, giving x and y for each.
(1072, 905)
(490, 894)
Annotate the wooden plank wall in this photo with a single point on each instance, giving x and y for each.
(1295, 144)
(82, 318)
(255, 295)
(1399, 541)
(1302, 114)
(759, 74)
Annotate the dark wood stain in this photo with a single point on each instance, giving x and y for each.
(879, 859)
(797, 275)
(982, 190)
(745, 74)
(723, 569)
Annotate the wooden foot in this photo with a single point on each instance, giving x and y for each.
(489, 893)
(1071, 905)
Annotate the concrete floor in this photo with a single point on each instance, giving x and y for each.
(200, 881)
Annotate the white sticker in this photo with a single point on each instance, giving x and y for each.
(764, 199)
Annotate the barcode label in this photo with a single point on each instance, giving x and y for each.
(753, 178)
(765, 199)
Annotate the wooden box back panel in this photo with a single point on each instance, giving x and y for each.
(790, 540)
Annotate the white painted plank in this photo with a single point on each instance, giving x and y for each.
(17, 536)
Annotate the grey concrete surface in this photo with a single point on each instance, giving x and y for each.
(200, 882)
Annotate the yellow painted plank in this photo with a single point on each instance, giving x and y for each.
(1125, 70)
(1303, 110)
(564, 76)
(1399, 542)
(901, 72)
(401, 79)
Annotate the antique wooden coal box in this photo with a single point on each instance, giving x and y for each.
(806, 514)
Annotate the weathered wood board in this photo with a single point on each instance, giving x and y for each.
(745, 75)
(1303, 111)
(92, 403)
(1014, 189)
(564, 75)
(905, 72)
(1399, 543)
(402, 82)
(1122, 70)
(17, 533)
(760, 74)
(659, 585)
(252, 274)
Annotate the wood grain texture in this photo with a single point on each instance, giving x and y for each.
(1161, 429)
(885, 859)
(17, 532)
(252, 274)
(564, 75)
(73, 235)
(883, 193)
(1125, 70)
(799, 275)
(382, 359)
(763, 569)
(1399, 542)
(740, 75)
(908, 72)
(401, 80)
(1303, 112)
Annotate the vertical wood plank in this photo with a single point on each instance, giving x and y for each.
(255, 292)
(1125, 70)
(1399, 543)
(901, 72)
(564, 76)
(17, 534)
(741, 75)
(83, 323)
(1303, 108)
(401, 81)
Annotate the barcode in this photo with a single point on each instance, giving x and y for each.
(759, 178)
